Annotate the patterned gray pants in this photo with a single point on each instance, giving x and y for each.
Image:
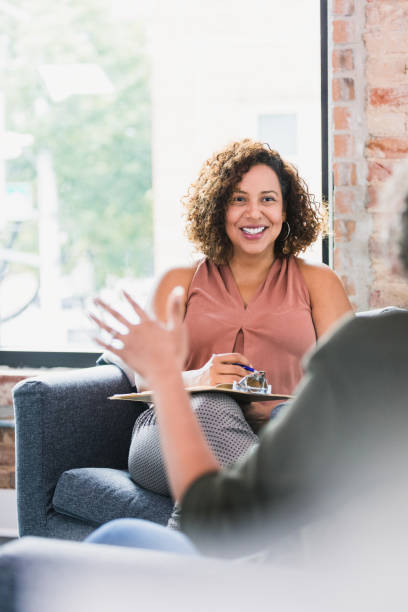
(222, 422)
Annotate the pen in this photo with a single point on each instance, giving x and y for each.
(245, 367)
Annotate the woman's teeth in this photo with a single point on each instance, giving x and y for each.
(253, 230)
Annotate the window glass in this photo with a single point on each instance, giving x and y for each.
(107, 110)
(281, 130)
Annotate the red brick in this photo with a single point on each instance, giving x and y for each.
(375, 249)
(344, 174)
(375, 299)
(343, 31)
(379, 171)
(343, 259)
(372, 196)
(385, 122)
(7, 381)
(343, 145)
(343, 7)
(372, 14)
(337, 258)
(344, 201)
(387, 70)
(343, 89)
(4, 479)
(391, 148)
(389, 15)
(341, 118)
(380, 42)
(6, 455)
(7, 478)
(7, 436)
(344, 229)
(342, 59)
(390, 96)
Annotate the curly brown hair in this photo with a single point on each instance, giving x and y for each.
(207, 200)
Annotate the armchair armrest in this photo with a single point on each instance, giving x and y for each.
(63, 421)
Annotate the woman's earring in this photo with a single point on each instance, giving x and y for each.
(287, 231)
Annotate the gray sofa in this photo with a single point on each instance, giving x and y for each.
(71, 454)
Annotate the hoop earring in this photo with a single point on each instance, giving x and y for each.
(288, 231)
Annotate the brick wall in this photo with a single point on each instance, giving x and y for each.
(369, 122)
(7, 467)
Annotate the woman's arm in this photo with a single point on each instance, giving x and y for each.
(328, 298)
(176, 277)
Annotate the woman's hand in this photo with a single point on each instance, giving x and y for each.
(149, 346)
(220, 369)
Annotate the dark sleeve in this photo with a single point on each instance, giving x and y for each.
(274, 480)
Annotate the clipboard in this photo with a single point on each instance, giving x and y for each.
(239, 396)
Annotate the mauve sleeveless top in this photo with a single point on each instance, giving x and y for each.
(273, 331)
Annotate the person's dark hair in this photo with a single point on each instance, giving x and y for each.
(207, 199)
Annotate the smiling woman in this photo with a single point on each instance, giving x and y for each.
(235, 182)
(251, 301)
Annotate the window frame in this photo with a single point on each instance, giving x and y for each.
(327, 242)
(19, 358)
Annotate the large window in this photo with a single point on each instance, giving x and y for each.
(107, 110)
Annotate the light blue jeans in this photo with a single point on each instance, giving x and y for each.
(277, 410)
(138, 533)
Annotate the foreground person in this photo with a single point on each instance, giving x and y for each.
(342, 438)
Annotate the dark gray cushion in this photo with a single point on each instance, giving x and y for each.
(98, 495)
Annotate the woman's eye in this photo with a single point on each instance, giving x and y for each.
(238, 200)
(269, 199)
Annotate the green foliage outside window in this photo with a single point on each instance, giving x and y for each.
(100, 145)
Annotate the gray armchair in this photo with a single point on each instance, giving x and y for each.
(71, 454)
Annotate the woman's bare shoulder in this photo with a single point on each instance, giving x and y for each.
(177, 276)
(316, 272)
(327, 295)
(174, 277)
